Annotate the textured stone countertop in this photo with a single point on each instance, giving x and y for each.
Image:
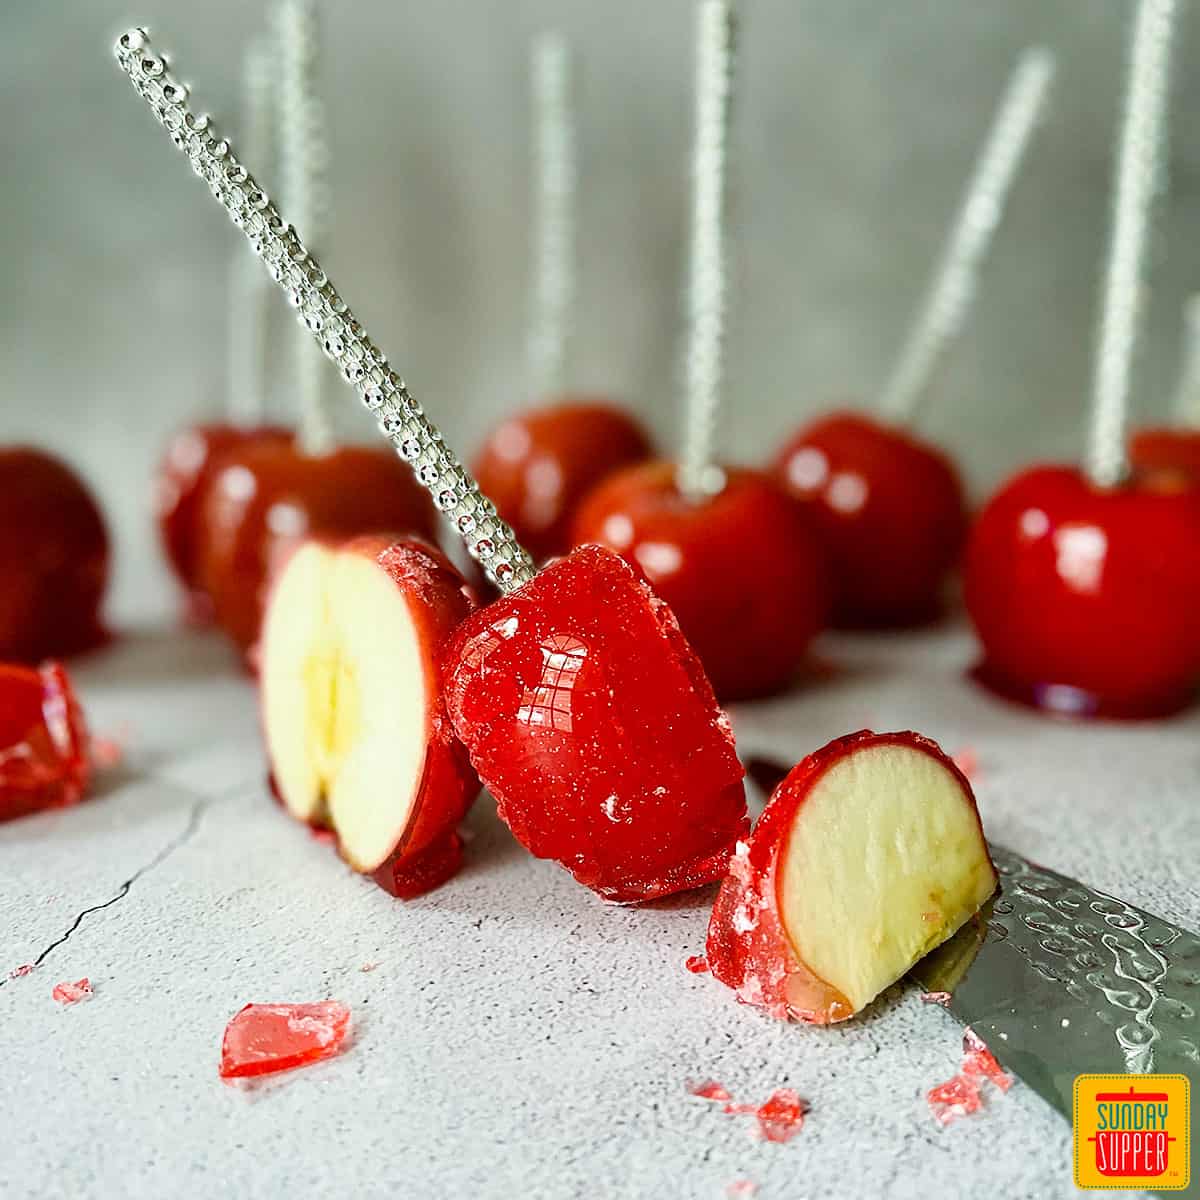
(517, 1038)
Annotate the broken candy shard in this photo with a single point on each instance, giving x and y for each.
(591, 721)
(43, 741)
(962, 1094)
(72, 993)
(697, 964)
(263, 1038)
(710, 1089)
(781, 1116)
(979, 1061)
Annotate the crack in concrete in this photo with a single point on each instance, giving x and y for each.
(199, 808)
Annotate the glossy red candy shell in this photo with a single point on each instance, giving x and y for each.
(590, 720)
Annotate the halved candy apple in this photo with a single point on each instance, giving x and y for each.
(868, 855)
(354, 718)
(592, 723)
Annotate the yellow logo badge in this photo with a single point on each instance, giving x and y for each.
(1132, 1131)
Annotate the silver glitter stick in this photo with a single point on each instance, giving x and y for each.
(327, 316)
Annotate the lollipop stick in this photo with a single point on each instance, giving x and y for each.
(554, 216)
(1137, 169)
(327, 316)
(952, 293)
(699, 476)
(304, 161)
(1187, 390)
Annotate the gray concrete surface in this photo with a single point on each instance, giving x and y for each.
(517, 1037)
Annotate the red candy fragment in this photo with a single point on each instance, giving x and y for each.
(590, 720)
(942, 998)
(21, 971)
(697, 964)
(739, 1189)
(780, 1117)
(263, 1038)
(710, 1089)
(43, 741)
(72, 993)
(962, 1095)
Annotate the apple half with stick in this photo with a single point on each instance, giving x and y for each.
(353, 712)
(868, 855)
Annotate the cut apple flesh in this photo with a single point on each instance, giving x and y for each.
(352, 695)
(868, 855)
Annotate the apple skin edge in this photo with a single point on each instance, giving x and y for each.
(430, 850)
(748, 949)
(591, 721)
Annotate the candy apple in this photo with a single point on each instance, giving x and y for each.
(266, 497)
(353, 710)
(192, 458)
(43, 740)
(743, 573)
(1085, 597)
(890, 511)
(53, 558)
(868, 855)
(590, 720)
(537, 466)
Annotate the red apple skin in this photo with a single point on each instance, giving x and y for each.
(890, 510)
(44, 759)
(1085, 598)
(590, 720)
(742, 571)
(536, 467)
(430, 850)
(748, 948)
(266, 498)
(192, 457)
(1166, 450)
(54, 554)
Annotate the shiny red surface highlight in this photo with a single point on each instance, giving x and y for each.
(890, 510)
(590, 720)
(742, 571)
(263, 1038)
(43, 741)
(54, 559)
(537, 466)
(266, 498)
(1085, 598)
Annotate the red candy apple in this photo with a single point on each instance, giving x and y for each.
(1166, 450)
(192, 457)
(43, 741)
(591, 722)
(537, 466)
(1084, 597)
(868, 855)
(741, 570)
(53, 558)
(353, 713)
(266, 498)
(890, 510)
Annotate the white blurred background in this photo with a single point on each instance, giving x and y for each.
(855, 128)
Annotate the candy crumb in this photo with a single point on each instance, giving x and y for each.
(710, 1089)
(962, 1095)
(22, 970)
(72, 993)
(780, 1117)
(942, 998)
(697, 964)
(368, 966)
(739, 1189)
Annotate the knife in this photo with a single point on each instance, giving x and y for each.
(1061, 980)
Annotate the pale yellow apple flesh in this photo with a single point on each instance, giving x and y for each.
(346, 701)
(884, 860)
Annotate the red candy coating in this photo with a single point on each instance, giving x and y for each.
(43, 741)
(1166, 450)
(742, 571)
(591, 721)
(72, 993)
(890, 510)
(53, 559)
(1085, 598)
(266, 498)
(191, 459)
(537, 466)
(263, 1038)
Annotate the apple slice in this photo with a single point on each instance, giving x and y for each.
(868, 855)
(354, 719)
